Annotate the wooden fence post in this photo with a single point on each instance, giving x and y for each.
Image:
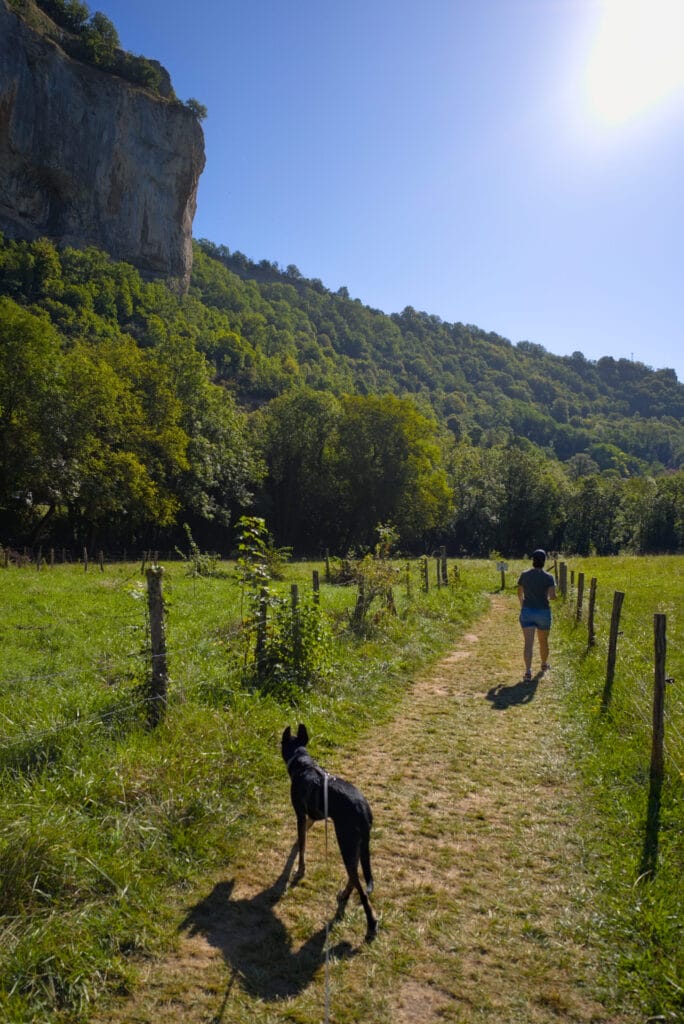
(618, 598)
(297, 628)
(424, 568)
(316, 583)
(359, 613)
(160, 677)
(572, 580)
(327, 566)
(591, 635)
(408, 579)
(660, 646)
(649, 860)
(260, 642)
(580, 597)
(563, 584)
(438, 566)
(85, 559)
(445, 568)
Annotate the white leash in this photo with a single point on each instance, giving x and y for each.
(327, 948)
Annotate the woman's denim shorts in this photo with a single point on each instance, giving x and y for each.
(539, 617)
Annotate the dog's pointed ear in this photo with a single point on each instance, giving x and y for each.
(302, 735)
(287, 735)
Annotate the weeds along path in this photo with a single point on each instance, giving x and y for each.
(480, 876)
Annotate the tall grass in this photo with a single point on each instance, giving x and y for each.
(640, 869)
(104, 822)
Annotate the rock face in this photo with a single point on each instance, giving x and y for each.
(87, 158)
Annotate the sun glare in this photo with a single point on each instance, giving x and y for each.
(637, 59)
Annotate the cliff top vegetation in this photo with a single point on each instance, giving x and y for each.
(93, 39)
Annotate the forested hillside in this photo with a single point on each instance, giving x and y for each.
(127, 410)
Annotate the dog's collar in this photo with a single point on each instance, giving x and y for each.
(293, 758)
(317, 766)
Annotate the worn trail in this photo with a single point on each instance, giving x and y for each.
(481, 879)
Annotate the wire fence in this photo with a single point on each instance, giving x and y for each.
(633, 694)
(639, 695)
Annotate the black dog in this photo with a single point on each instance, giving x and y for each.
(348, 808)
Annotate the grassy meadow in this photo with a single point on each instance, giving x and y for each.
(640, 871)
(105, 824)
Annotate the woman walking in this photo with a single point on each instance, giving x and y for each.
(536, 588)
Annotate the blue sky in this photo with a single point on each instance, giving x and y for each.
(513, 164)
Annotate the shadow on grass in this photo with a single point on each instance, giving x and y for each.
(255, 943)
(504, 697)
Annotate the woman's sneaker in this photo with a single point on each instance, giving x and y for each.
(527, 676)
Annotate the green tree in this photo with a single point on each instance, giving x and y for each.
(31, 407)
(125, 444)
(101, 40)
(389, 467)
(295, 434)
(534, 491)
(197, 109)
(71, 14)
(479, 495)
(592, 513)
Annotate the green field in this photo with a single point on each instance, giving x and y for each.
(105, 823)
(102, 820)
(641, 869)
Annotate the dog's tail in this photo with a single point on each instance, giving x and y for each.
(365, 859)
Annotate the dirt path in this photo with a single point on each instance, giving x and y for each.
(480, 879)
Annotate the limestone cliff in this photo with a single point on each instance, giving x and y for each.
(87, 158)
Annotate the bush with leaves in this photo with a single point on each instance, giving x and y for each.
(375, 578)
(287, 644)
(199, 563)
(295, 653)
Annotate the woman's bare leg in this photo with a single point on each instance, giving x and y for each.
(528, 633)
(543, 645)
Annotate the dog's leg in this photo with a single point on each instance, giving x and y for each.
(371, 919)
(303, 825)
(350, 855)
(342, 897)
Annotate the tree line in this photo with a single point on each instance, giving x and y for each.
(128, 412)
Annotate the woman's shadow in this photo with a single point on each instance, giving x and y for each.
(504, 697)
(255, 943)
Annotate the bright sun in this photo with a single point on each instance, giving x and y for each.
(637, 58)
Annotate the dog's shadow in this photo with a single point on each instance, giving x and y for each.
(255, 943)
(504, 697)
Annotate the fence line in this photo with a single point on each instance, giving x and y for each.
(156, 653)
(662, 721)
(639, 686)
(77, 723)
